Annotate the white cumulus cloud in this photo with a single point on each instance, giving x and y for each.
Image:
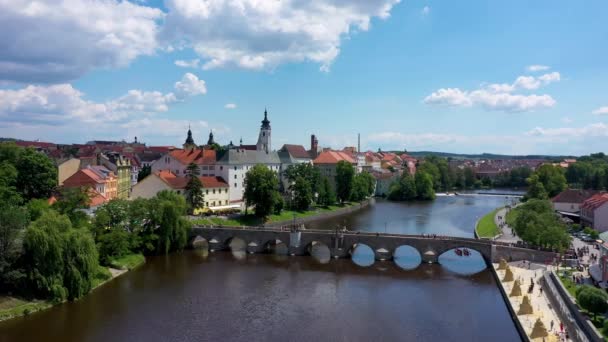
(254, 34)
(537, 67)
(499, 96)
(601, 111)
(230, 106)
(194, 63)
(56, 41)
(190, 85)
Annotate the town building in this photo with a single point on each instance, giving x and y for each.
(121, 167)
(264, 141)
(594, 212)
(570, 200)
(215, 190)
(96, 178)
(328, 160)
(67, 168)
(291, 155)
(177, 160)
(384, 180)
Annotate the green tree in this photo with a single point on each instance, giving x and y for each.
(536, 224)
(307, 171)
(70, 203)
(403, 189)
(43, 247)
(536, 189)
(302, 194)
(37, 175)
(345, 174)
(80, 263)
(194, 189)
(37, 207)
(327, 196)
(359, 190)
(552, 178)
(469, 177)
(424, 186)
(13, 221)
(144, 172)
(261, 189)
(8, 184)
(592, 299)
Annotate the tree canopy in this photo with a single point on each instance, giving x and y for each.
(345, 175)
(261, 190)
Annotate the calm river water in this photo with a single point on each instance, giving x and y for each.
(191, 297)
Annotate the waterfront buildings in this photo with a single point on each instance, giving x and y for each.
(101, 182)
(594, 212)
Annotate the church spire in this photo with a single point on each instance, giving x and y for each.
(265, 122)
(189, 140)
(210, 141)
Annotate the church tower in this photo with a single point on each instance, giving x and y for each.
(210, 141)
(264, 138)
(189, 144)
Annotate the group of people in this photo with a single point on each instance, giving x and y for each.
(562, 334)
(502, 224)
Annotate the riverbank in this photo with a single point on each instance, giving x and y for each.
(12, 307)
(486, 227)
(286, 216)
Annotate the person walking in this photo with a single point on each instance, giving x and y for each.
(561, 327)
(552, 324)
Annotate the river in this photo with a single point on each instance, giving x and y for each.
(191, 297)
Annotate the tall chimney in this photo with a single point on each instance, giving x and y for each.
(358, 142)
(314, 145)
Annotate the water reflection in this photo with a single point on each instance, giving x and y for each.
(363, 255)
(463, 264)
(407, 257)
(320, 252)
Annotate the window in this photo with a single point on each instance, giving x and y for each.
(211, 167)
(178, 192)
(235, 185)
(221, 168)
(207, 192)
(263, 134)
(234, 176)
(177, 172)
(226, 190)
(213, 203)
(214, 191)
(235, 168)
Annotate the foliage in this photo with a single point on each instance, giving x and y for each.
(43, 246)
(404, 189)
(424, 186)
(194, 189)
(363, 186)
(536, 224)
(311, 175)
(345, 174)
(552, 178)
(80, 263)
(37, 175)
(326, 196)
(592, 299)
(113, 244)
(261, 190)
(70, 201)
(37, 207)
(13, 221)
(536, 189)
(144, 172)
(591, 232)
(302, 194)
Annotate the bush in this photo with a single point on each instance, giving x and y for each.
(592, 299)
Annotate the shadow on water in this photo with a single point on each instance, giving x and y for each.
(363, 255)
(407, 257)
(462, 264)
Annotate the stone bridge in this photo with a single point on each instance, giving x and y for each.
(342, 243)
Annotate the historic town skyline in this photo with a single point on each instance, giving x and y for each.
(469, 77)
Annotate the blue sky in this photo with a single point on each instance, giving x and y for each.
(513, 77)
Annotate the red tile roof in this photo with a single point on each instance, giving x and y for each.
(38, 144)
(333, 157)
(573, 196)
(180, 182)
(296, 151)
(595, 201)
(197, 156)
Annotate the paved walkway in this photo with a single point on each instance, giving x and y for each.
(507, 233)
(540, 302)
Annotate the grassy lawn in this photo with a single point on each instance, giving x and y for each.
(486, 228)
(12, 307)
(101, 276)
(128, 262)
(284, 216)
(566, 280)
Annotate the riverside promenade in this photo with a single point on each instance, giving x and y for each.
(526, 273)
(506, 233)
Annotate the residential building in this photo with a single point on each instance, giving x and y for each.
(121, 167)
(177, 161)
(328, 160)
(384, 179)
(594, 212)
(215, 190)
(67, 168)
(97, 178)
(291, 155)
(570, 200)
(235, 163)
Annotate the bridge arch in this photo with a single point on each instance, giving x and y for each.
(407, 257)
(236, 244)
(276, 246)
(463, 260)
(319, 251)
(362, 254)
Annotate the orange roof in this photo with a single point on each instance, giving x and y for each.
(180, 182)
(333, 157)
(595, 201)
(196, 156)
(52, 200)
(96, 198)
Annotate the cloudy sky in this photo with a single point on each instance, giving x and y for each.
(512, 77)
